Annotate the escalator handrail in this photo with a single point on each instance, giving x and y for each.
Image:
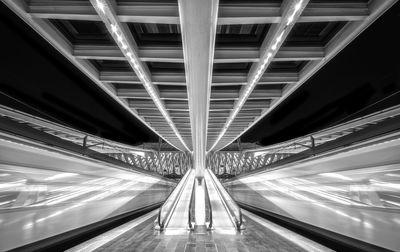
(192, 198)
(209, 203)
(175, 200)
(238, 219)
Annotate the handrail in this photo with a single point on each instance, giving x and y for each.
(182, 185)
(209, 203)
(44, 123)
(238, 219)
(192, 198)
(355, 124)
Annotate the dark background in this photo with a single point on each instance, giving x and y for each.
(37, 79)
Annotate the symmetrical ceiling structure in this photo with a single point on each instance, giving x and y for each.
(199, 75)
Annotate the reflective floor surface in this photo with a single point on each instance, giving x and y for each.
(259, 235)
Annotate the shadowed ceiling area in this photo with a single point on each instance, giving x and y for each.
(362, 79)
(36, 79)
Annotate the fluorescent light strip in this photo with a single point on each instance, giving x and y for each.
(270, 53)
(108, 17)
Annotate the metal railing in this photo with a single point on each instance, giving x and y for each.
(170, 203)
(208, 201)
(226, 164)
(234, 211)
(150, 159)
(331, 133)
(191, 208)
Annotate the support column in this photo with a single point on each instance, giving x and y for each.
(198, 25)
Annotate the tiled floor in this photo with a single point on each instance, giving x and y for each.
(254, 238)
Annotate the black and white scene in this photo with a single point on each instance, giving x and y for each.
(200, 125)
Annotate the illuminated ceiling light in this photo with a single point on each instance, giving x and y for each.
(295, 7)
(279, 38)
(274, 46)
(298, 6)
(101, 6)
(124, 46)
(119, 38)
(140, 74)
(290, 20)
(114, 28)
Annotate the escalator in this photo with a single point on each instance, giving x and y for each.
(226, 214)
(174, 213)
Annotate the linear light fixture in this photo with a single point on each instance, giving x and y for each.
(107, 14)
(295, 9)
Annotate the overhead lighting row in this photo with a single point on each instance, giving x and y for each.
(270, 53)
(111, 21)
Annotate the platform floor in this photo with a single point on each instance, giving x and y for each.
(256, 237)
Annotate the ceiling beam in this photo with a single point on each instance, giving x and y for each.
(218, 79)
(175, 54)
(137, 12)
(181, 95)
(45, 29)
(290, 12)
(262, 13)
(167, 12)
(125, 41)
(348, 33)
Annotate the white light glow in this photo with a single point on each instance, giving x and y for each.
(279, 38)
(296, 9)
(258, 153)
(6, 202)
(110, 19)
(61, 175)
(393, 203)
(13, 184)
(114, 28)
(392, 175)
(384, 184)
(101, 6)
(138, 153)
(119, 38)
(200, 202)
(290, 20)
(298, 6)
(335, 175)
